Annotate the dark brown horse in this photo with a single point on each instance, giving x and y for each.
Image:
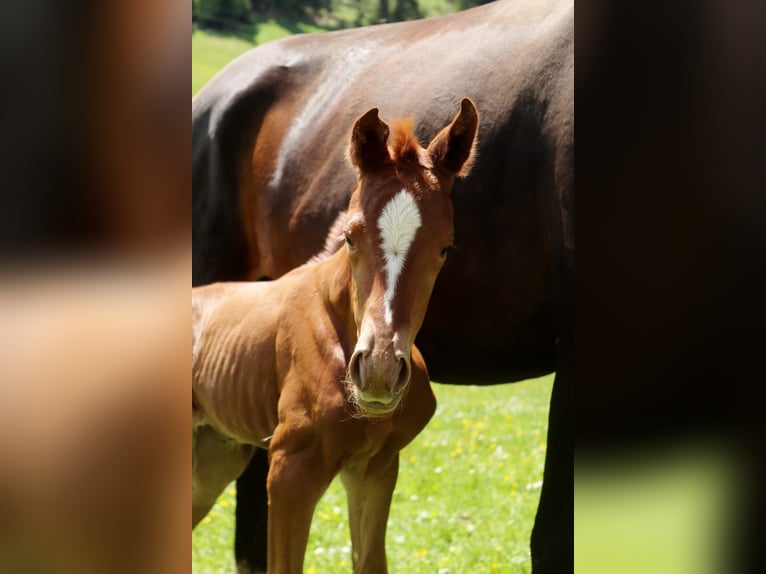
(264, 200)
(319, 366)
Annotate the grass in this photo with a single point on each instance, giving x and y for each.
(212, 51)
(465, 501)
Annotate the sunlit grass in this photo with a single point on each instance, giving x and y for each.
(210, 53)
(465, 500)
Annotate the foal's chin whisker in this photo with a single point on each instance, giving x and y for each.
(352, 399)
(358, 413)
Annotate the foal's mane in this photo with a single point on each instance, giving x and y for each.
(333, 240)
(404, 146)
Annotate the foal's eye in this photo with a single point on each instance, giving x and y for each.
(350, 243)
(443, 252)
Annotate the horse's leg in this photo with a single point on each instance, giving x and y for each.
(369, 502)
(250, 535)
(297, 480)
(216, 461)
(552, 542)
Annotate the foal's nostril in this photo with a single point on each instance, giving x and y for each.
(404, 372)
(354, 369)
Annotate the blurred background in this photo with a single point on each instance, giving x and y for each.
(243, 16)
(223, 29)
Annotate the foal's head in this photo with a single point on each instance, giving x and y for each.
(398, 230)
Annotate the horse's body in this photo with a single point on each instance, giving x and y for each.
(320, 366)
(264, 199)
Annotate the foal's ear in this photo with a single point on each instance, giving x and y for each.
(452, 148)
(368, 141)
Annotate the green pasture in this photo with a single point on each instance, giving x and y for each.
(465, 500)
(211, 51)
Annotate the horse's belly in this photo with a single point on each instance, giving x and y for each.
(246, 413)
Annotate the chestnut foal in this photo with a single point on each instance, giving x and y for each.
(319, 366)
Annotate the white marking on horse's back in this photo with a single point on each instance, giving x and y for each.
(398, 224)
(317, 108)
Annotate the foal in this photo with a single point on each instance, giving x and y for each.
(319, 366)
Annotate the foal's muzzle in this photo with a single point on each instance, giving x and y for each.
(379, 379)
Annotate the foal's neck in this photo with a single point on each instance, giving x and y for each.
(333, 282)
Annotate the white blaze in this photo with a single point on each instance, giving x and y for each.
(398, 224)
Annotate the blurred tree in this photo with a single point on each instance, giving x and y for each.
(383, 12)
(464, 4)
(290, 8)
(239, 15)
(222, 14)
(407, 10)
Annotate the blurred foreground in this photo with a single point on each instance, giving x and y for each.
(670, 510)
(94, 420)
(94, 274)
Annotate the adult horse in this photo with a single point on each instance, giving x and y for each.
(270, 178)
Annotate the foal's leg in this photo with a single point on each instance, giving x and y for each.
(296, 482)
(216, 461)
(369, 501)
